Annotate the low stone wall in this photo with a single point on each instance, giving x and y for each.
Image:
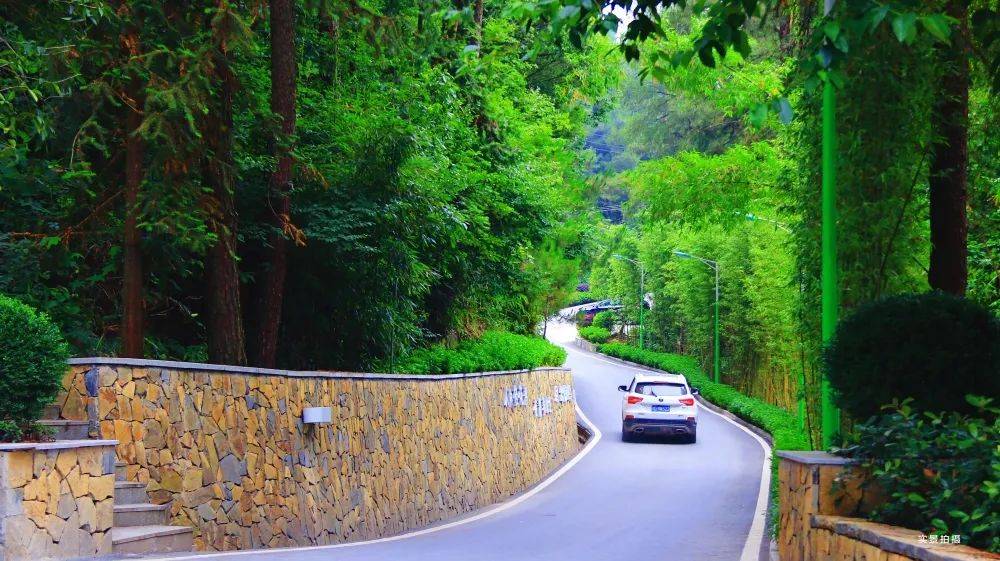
(835, 538)
(228, 447)
(56, 499)
(821, 494)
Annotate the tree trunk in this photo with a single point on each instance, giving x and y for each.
(283, 106)
(226, 340)
(133, 301)
(478, 17)
(949, 165)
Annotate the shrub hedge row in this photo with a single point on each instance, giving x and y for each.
(781, 424)
(495, 350)
(595, 334)
(33, 357)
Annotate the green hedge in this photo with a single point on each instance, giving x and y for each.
(33, 357)
(606, 319)
(781, 424)
(595, 334)
(495, 350)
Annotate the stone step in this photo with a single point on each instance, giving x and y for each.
(130, 493)
(67, 430)
(151, 539)
(141, 514)
(51, 411)
(120, 474)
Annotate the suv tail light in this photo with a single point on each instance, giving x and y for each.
(633, 399)
(687, 401)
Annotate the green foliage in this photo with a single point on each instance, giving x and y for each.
(494, 351)
(33, 358)
(438, 190)
(606, 319)
(940, 471)
(595, 333)
(934, 348)
(781, 424)
(579, 298)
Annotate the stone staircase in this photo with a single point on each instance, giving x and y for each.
(64, 430)
(140, 526)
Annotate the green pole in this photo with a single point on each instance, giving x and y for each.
(642, 297)
(715, 364)
(830, 298)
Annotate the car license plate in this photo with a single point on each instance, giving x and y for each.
(661, 408)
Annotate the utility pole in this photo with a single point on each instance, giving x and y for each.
(830, 417)
(715, 344)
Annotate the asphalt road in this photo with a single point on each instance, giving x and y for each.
(620, 501)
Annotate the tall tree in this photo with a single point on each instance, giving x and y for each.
(282, 14)
(133, 301)
(226, 339)
(950, 160)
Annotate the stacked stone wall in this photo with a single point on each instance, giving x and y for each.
(820, 496)
(56, 500)
(228, 449)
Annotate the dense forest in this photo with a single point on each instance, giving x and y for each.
(301, 184)
(709, 168)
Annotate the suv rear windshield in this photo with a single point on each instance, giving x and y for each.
(660, 389)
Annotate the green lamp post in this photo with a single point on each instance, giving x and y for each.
(830, 415)
(715, 267)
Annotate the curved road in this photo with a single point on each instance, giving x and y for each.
(647, 500)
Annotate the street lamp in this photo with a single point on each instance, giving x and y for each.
(642, 292)
(779, 225)
(715, 267)
(802, 374)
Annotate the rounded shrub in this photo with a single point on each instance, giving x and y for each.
(33, 357)
(606, 319)
(935, 348)
(594, 334)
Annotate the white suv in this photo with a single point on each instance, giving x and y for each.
(660, 404)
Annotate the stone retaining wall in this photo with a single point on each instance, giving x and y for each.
(820, 496)
(835, 538)
(228, 447)
(56, 500)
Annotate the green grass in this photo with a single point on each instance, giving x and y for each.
(595, 334)
(495, 350)
(781, 424)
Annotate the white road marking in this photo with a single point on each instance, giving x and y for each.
(755, 537)
(496, 509)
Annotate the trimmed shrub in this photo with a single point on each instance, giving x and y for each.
(33, 356)
(938, 471)
(781, 424)
(934, 348)
(594, 334)
(495, 350)
(606, 319)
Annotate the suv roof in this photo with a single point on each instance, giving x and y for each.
(660, 378)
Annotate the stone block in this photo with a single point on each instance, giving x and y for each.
(66, 460)
(20, 469)
(102, 487)
(171, 481)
